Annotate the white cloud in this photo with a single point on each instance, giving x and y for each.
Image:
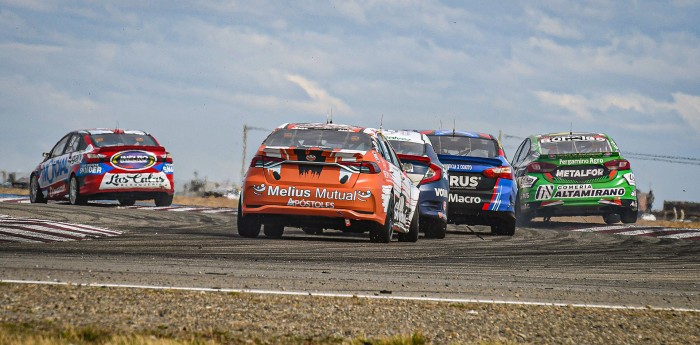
(598, 107)
(554, 27)
(578, 105)
(322, 101)
(688, 106)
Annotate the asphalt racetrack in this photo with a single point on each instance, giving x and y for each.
(200, 249)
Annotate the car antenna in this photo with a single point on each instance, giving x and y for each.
(571, 128)
(381, 122)
(454, 127)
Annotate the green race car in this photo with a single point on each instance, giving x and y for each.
(573, 174)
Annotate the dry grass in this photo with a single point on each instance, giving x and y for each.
(207, 202)
(17, 191)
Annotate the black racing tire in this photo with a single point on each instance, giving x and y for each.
(163, 200)
(433, 228)
(412, 234)
(247, 226)
(611, 218)
(74, 196)
(35, 194)
(629, 216)
(273, 230)
(379, 233)
(504, 227)
(312, 230)
(127, 202)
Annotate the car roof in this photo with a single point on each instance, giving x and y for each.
(410, 136)
(458, 133)
(111, 131)
(328, 126)
(567, 134)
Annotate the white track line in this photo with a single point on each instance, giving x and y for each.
(345, 295)
(691, 233)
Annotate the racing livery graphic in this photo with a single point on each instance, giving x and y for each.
(422, 165)
(481, 186)
(574, 174)
(328, 176)
(104, 164)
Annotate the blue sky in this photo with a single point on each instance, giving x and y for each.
(193, 72)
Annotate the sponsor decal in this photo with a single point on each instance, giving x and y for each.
(318, 193)
(580, 161)
(630, 179)
(138, 180)
(571, 138)
(580, 173)
(310, 203)
(566, 193)
(464, 182)
(458, 167)
(168, 168)
(259, 189)
(544, 192)
(441, 192)
(90, 169)
(54, 169)
(133, 160)
(527, 181)
(75, 159)
(464, 199)
(59, 190)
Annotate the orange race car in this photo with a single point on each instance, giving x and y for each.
(328, 176)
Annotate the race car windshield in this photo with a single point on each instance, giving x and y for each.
(321, 138)
(408, 148)
(464, 146)
(575, 146)
(122, 139)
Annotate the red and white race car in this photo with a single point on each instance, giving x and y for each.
(104, 164)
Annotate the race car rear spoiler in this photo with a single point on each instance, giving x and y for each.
(452, 159)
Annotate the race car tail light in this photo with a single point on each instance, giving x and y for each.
(260, 161)
(499, 172)
(95, 158)
(166, 157)
(618, 164)
(541, 167)
(364, 167)
(433, 174)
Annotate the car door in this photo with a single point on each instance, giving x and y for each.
(404, 188)
(55, 170)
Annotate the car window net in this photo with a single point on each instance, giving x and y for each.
(319, 138)
(464, 146)
(408, 148)
(122, 139)
(575, 146)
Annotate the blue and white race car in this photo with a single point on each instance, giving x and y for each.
(421, 164)
(482, 190)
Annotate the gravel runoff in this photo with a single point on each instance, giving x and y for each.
(280, 319)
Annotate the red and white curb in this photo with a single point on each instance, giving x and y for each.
(30, 230)
(647, 231)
